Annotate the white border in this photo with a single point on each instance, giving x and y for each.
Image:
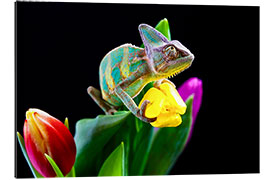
(7, 86)
(200, 2)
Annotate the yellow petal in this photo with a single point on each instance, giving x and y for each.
(156, 98)
(173, 97)
(35, 130)
(167, 119)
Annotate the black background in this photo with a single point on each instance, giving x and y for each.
(60, 45)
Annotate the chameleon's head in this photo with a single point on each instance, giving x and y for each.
(166, 58)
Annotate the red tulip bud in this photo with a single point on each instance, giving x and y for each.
(46, 134)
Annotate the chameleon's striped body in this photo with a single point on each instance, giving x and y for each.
(118, 65)
(125, 70)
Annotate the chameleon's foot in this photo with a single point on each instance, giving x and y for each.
(96, 96)
(159, 82)
(141, 113)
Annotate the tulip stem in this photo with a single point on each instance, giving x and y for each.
(71, 173)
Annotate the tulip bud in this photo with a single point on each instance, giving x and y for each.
(192, 86)
(46, 134)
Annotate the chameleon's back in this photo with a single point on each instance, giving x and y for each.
(115, 67)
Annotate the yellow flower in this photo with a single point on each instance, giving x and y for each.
(165, 104)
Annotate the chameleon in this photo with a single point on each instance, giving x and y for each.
(125, 70)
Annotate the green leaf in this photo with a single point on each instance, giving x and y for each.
(22, 145)
(71, 173)
(141, 149)
(66, 123)
(163, 27)
(91, 135)
(54, 166)
(115, 163)
(125, 134)
(168, 144)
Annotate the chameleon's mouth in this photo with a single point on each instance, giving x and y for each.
(177, 71)
(185, 61)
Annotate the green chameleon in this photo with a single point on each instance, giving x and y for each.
(125, 70)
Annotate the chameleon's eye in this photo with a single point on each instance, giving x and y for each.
(171, 52)
(170, 48)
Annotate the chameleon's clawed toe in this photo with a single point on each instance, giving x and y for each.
(143, 107)
(142, 112)
(111, 111)
(149, 120)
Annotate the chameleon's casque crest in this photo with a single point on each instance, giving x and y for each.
(151, 37)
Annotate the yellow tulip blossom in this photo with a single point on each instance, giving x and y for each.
(165, 104)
